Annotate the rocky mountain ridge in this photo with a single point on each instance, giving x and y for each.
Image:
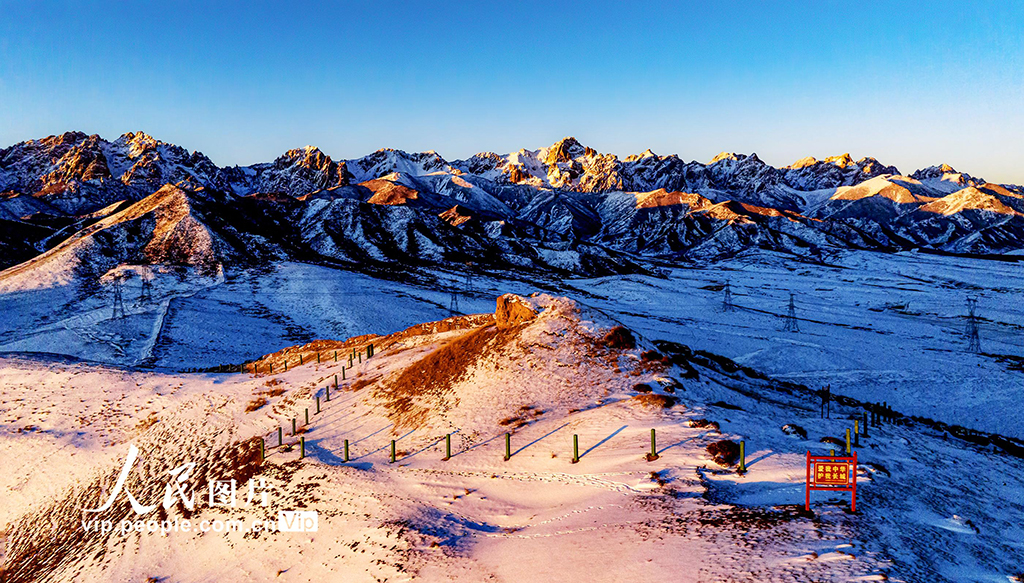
(565, 208)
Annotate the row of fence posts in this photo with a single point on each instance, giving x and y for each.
(356, 355)
(876, 414)
(393, 457)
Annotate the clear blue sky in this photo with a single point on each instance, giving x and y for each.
(912, 84)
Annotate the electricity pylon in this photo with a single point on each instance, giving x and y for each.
(118, 300)
(727, 301)
(791, 323)
(146, 293)
(453, 301)
(973, 340)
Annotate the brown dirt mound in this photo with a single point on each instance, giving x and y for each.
(724, 452)
(704, 423)
(654, 401)
(411, 395)
(619, 338)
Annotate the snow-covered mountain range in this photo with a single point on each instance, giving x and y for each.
(76, 197)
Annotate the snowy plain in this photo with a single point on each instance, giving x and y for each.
(79, 386)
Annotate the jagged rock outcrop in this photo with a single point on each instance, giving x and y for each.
(513, 310)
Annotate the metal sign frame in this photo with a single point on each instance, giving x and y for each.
(831, 473)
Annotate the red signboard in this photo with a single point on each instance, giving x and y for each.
(826, 472)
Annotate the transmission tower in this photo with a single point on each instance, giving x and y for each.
(791, 323)
(727, 301)
(973, 340)
(453, 301)
(118, 300)
(146, 293)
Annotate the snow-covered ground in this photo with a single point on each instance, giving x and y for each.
(931, 508)
(875, 327)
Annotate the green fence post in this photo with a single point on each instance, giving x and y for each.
(335, 356)
(263, 450)
(280, 437)
(508, 446)
(300, 359)
(743, 456)
(654, 447)
(318, 357)
(318, 404)
(302, 447)
(447, 447)
(293, 427)
(360, 357)
(342, 376)
(307, 415)
(327, 393)
(346, 451)
(864, 418)
(575, 448)
(285, 365)
(271, 368)
(392, 451)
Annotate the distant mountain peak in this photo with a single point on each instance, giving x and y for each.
(727, 156)
(567, 149)
(842, 161)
